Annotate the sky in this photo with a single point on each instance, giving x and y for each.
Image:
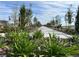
(43, 10)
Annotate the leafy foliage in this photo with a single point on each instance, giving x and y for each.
(37, 35)
(49, 46)
(68, 16)
(38, 39)
(21, 45)
(54, 48)
(36, 22)
(77, 22)
(24, 16)
(37, 46)
(2, 40)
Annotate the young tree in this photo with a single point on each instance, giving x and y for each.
(52, 22)
(66, 20)
(22, 17)
(58, 19)
(56, 22)
(9, 18)
(36, 22)
(69, 16)
(25, 17)
(77, 21)
(14, 18)
(28, 16)
(48, 24)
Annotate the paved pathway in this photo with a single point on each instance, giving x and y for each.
(48, 31)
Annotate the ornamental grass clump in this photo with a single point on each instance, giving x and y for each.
(38, 46)
(21, 45)
(39, 40)
(54, 48)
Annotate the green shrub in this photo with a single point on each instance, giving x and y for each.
(38, 45)
(54, 48)
(2, 40)
(49, 46)
(74, 49)
(75, 40)
(39, 40)
(37, 35)
(21, 45)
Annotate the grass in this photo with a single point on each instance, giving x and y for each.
(2, 39)
(21, 45)
(24, 45)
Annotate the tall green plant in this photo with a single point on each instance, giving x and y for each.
(2, 40)
(54, 48)
(21, 45)
(77, 22)
(24, 17)
(69, 16)
(39, 41)
(38, 34)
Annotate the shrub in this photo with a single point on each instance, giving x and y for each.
(76, 39)
(54, 48)
(2, 40)
(39, 41)
(49, 46)
(21, 45)
(37, 35)
(74, 49)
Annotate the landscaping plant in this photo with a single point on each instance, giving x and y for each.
(21, 45)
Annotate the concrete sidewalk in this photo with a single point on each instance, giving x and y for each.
(46, 31)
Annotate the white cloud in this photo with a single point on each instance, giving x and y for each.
(55, 8)
(44, 10)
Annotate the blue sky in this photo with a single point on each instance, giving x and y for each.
(43, 10)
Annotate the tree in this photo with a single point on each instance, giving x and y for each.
(66, 20)
(22, 17)
(48, 24)
(52, 22)
(56, 22)
(58, 19)
(36, 22)
(28, 16)
(25, 17)
(77, 21)
(69, 16)
(14, 16)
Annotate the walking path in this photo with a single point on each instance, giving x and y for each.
(46, 31)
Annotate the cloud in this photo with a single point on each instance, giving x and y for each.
(54, 8)
(43, 10)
